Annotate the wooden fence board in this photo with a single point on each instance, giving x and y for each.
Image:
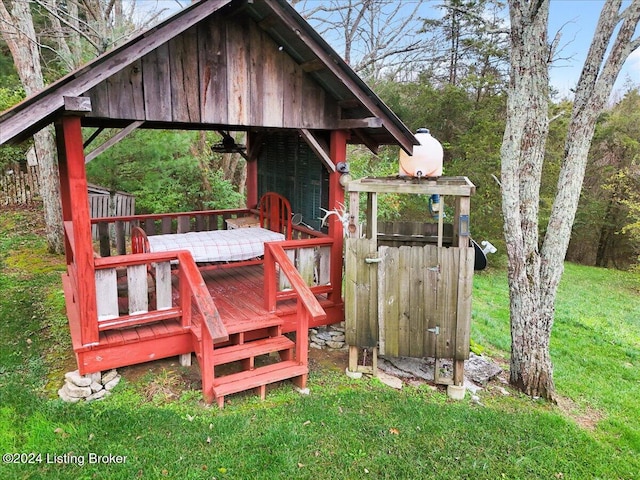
(417, 303)
(107, 294)
(465, 288)
(19, 186)
(447, 298)
(424, 301)
(138, 289)
(306, 264)
(388, 304)
(431, 284)
(361, 287)
(403, 277)
(163, 286)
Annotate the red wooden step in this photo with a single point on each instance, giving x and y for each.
(249, 325)
(251, 349)
(250, 379)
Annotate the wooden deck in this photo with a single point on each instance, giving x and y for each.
(239, 295)
(180, 315)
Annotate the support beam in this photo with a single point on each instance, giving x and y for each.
(93, 136)
(252, 184)
(368, 122)
(77, 105)
(319, 149)
(117, 138)
(254, 146)
(338, 152)
(75, 203)
(367, 141)
(312, 66)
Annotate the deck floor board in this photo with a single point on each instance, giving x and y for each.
(238, 293)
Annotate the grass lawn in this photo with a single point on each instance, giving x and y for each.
(155, 425)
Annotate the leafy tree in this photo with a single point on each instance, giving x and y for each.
(472, 43)
(11, 154)
(161, 170)
(602, 235)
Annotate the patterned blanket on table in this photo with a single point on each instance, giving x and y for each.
(217, 245)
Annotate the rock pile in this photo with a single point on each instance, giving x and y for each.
(330, 337)
(92, 386)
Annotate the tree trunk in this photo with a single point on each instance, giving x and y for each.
(522, 158)
(534, 275)
(19, 33)
(50, 189)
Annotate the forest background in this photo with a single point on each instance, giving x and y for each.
(447, 71)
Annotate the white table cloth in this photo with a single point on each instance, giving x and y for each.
(217, 245)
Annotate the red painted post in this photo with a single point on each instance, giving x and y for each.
(252, 183)
(75, 202)
(338, 153)
(269, 267)
(302, 335)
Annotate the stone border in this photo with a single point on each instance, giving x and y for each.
(90, 387)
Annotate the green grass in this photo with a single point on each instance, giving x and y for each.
(595, 344)
(345, 429)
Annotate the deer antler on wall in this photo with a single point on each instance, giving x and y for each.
(341, 213)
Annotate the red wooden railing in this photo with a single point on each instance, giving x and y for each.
(191, 287)
(308, 308)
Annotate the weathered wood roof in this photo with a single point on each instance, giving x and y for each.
(220, 64)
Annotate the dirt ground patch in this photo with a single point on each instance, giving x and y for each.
(585, 417)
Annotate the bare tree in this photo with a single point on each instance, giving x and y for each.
(378, 37)
(535, 270)
(18, 31)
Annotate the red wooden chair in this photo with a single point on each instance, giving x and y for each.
(139, 241)
(275, 213)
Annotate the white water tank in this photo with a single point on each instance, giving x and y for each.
(426, 160)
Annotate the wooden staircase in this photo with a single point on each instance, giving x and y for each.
(248, 341)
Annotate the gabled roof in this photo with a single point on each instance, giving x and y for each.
(360, 109)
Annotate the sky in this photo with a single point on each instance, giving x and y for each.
(575, 19)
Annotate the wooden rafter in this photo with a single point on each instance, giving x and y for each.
(117, 138)
(320, 150)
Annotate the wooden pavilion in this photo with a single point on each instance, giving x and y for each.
(224, 65)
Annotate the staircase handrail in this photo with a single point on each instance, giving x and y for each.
(308, 308)
(192, 285)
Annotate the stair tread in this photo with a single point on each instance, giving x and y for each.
(251, 349)
(248, 325)
(248, 379)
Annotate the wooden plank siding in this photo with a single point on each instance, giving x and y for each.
(157, 84)
(183, 66)
(223, 71)
(421, 289)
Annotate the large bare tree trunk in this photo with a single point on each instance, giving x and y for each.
(19, 33)
(534, 274)
(522, 157)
